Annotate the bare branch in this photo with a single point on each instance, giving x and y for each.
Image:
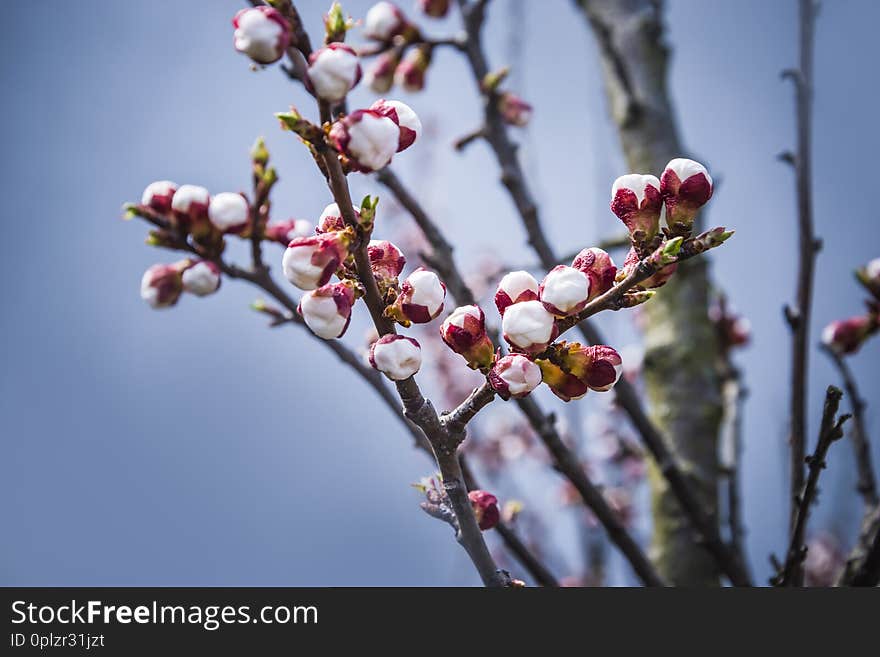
(863, 564)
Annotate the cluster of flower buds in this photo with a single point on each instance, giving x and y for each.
(846, 336)
(572, 369)
(420, 298)
(333, 71)
(370, 137)
(162, 284)
(396, 356)
(327, 310)
(261, 33)
(638, 201)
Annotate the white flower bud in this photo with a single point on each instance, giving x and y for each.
(327, 310)
(261, 33)
(516, 286)
(368, 138)
(383, 21)
(228, 212)
(201, 278)
(565, 291)
(408, 121)
(528, 326)
(188, 198)
(333, 71)
(309, 262)
(396, 356)
(514, 376)
(158, 195)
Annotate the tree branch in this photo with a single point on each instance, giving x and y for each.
(863, 564)
(734, 394)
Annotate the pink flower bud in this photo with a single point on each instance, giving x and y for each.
(201, 278)
(190, 204)
(564, 385)
(261, 33)
(485, 506)
(686, 186)
(528, 326)
(514, 376)
(229, 212)
(333, 71)
(161, 285)
(564, 291)
(599, 268)
(410, 73)
(396, 356)
(158, 195)
(464, 331)
(289, 229)
(309, 262)
(434, 8)
(384, 21)
(515, 287)
(327, 310)
(386, 260)
(869, 276)
(367, 138)
(572, 369)
(380, 75)
(514, 110)
(421, 298)
(636, 201)
(331, 219)
(846, 336)
(658, 279)
(408, 121)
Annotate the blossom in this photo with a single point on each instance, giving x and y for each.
(158, 195)
(396, 356)
(528, 326)
(229, 212)
(309, 262)
(485, 506)
(161, 284)
(685, 186)
(420, 299)
(564, 291)
(464, 331)
(367, 137)
(261, 33)
(514, 376)
(599, 268)
(201, 278)
(636, 200)
(327, 310)
(333, 71)
(514, 287)
(407, 120)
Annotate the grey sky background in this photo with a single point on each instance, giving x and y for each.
(197, 447)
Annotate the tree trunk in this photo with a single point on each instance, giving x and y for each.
(681, 345)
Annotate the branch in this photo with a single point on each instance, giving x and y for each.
(799, 316)
(867, 485)
(830, 431)
(863, 564)
(734, 394)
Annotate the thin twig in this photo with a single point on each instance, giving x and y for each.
(830, 431)
(863, 564)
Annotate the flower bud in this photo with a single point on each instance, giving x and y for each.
(309, 262)
(564, 291)
(514, 376)
(528, 326)
(846, 336)
(656, 280)
(368, 138)
(514, 110)
(161, 284)
(229, 212)
(331, 219)
(289, 229)
(564, 385)
(333, 71)
(384, 21)
(434, 8)
(599, 268)
(410, 73)
(261, 33)
(420, 300)
(686, 186)
(158, 195)
(190, 205)
(407, 120)
(464, 331)
(485, 506)
(201, 278)
(327, 310)
(572, 369)
(869, 276)
(515, 287)
(396, 356)
(386, 260)
(636, 200)
(380, 75)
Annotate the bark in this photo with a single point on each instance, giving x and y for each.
(681, 346)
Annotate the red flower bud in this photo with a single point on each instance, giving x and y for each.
(658, 279)
(190, 206)
(380, 76)
(410, 73)
(333, 71)
(485, 507)
(564, 291)
(162, 285)
(158, 195)
(686, 186)
(384, 21)
(289, 229)
(331, 220)
(528, 326)
(386, 260)
(515, 287)
(599, 268)
(261, 33)
(201, 278)
(636, 201)
(846, 336)
(407, 120)
(514, 110)
(229, 212)
(420, 299)
(368, 138)
(434, 8)
(573, 368)
(464, 331)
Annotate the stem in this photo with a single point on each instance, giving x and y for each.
(863, 564)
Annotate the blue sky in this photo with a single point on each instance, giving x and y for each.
(197, 447)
